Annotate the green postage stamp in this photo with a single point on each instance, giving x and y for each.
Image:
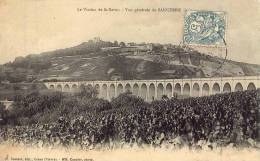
(204, 28)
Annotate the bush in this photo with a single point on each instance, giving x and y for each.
(127, 100)
(32, 104)
(87, 92)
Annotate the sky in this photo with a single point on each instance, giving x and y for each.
(35, 26)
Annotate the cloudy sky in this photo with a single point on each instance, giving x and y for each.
(34, 26)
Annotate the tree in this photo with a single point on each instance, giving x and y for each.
(127, 100)
(3, 113)
(157, 48)
(99, 105)
(122, 44)
(115, 43)
(87, 92)
(165, 97)
(2, 107)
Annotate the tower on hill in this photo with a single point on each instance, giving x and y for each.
(96, 39)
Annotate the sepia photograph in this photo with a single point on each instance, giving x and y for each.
(123, 80)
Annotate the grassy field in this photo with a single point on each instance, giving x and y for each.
(83, 63)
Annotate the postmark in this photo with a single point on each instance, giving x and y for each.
(205, 28)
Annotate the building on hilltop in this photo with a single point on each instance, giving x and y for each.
(116, 77)
(96, 39)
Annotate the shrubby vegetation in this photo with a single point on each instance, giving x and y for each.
(83, 119)
(47, 107)
(36, 107)
(2, 111)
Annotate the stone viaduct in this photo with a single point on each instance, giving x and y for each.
(154, 89)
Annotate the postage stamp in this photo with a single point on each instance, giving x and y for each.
(204, 28)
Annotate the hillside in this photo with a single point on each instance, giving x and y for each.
(100, 60)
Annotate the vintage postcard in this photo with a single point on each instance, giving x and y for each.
(129, 80)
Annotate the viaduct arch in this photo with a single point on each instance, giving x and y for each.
(154, 89)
